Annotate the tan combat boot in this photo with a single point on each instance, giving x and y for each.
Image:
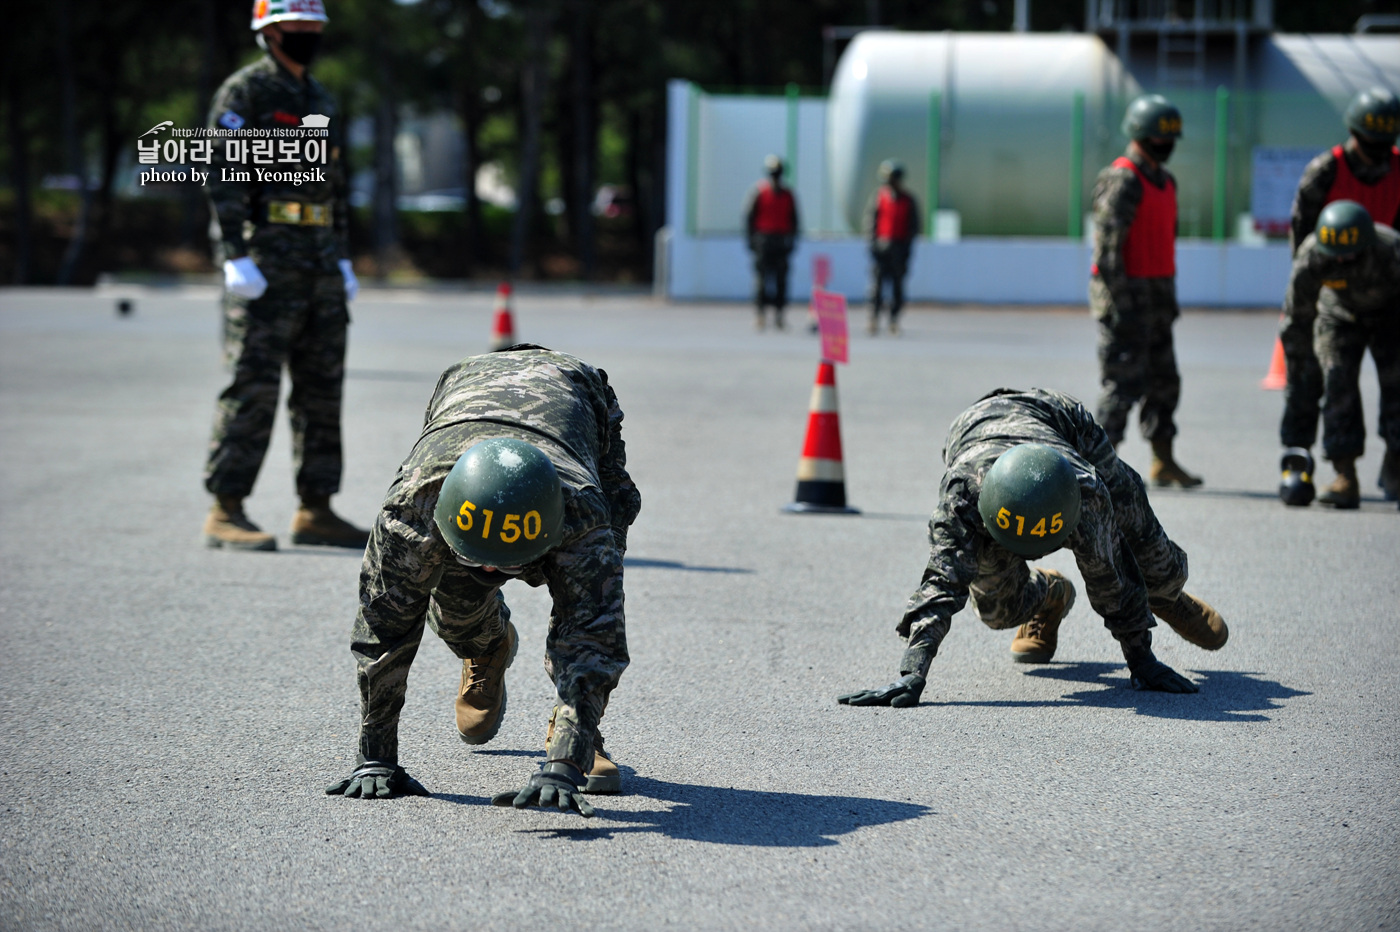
(1345, 491)
(1195, 621)
(1037, 639)
(227, 526)
(604, 778)
(481, 699)
(1164, 470)
(894, 326)
(872, 326)
(315, 524)
(759, 321)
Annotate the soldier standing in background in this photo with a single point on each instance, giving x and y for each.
(1132, 289)
(1029, 473)
(1364, 169)
(520, 473)
(770, 218)
(891, 223)
(1343, 297)
(285, 253)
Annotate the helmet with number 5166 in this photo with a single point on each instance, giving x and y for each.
(1030, 499)
(502, 504)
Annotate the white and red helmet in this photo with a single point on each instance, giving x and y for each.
(266, 12)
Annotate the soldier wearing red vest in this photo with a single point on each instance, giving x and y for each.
(1364, 169)
(1132, 290)
(771, 221)
(892, 222)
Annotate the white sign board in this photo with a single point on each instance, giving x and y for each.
(1276, 173)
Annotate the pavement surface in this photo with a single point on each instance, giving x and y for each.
(170, 715)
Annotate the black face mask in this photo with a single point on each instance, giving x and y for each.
(1160, 151)
(300, 47)
(1375, 151)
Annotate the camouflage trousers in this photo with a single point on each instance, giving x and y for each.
(299, 323)
(1007, 592)
(1137, 358)
(1342, 340)
(889, 263)
(770, 270)
(1302, 393)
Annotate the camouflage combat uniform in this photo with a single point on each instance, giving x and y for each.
(1316, 185)
(1137, 358)
(1303, 392)
(889, 256)
(1125, 557)
(771, 253)
(300, 321)
(1335, 310)
(410, 576)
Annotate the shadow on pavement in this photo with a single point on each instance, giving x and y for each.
(739, 817)
(1225, 696)
(644, 564)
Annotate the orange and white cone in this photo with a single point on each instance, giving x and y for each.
(503, 330)
(821, 478)
(1278, 369)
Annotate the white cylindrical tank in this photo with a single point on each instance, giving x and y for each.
(1009, 95)
(1006, 109)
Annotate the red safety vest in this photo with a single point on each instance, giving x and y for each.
(774, 210)
(894, 215)
(1381, 200)
(1149, 250)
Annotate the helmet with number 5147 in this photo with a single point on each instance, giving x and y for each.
(1030, 499)
(502, 504)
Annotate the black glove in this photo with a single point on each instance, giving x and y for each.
(557, 783)
(1152, 674)
(902, 693)
(377, 779)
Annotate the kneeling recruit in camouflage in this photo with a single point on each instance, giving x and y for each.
(1029, 473)
(519, 473)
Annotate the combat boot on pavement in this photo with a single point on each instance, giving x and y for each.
(604, 778)
(481, 699)
(1389, 479)
(1345, 490)
(1037, 639)
(227, 526)
(1195, 621)
(315, 524)
(759, 321)
(1164, 470)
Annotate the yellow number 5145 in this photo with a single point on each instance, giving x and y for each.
(1004, 518)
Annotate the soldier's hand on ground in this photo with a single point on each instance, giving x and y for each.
(241, 277)
(352, 284)
(377, 780)
(902, 693)
(557, 783)
(1156, 676)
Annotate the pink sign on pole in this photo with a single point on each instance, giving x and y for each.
(830, 309)
(821, 270)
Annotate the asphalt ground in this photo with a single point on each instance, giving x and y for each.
(170, 715)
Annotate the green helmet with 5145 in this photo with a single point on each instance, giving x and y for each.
(1030, 499)
(502, 504)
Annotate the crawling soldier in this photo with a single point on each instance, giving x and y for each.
(1029, 473)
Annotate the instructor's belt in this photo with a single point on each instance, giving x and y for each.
(299, 214)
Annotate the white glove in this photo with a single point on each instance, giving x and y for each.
(241, 277)
(352, 284)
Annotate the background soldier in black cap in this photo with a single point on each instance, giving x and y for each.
(1343, 297)
(892, 222)
(1132, 291)
(770, 217)
(1029, 473)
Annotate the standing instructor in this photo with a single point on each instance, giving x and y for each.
(284, 248)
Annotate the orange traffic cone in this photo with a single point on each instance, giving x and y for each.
(1278, 369)
(503, 330)
(821, 479)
